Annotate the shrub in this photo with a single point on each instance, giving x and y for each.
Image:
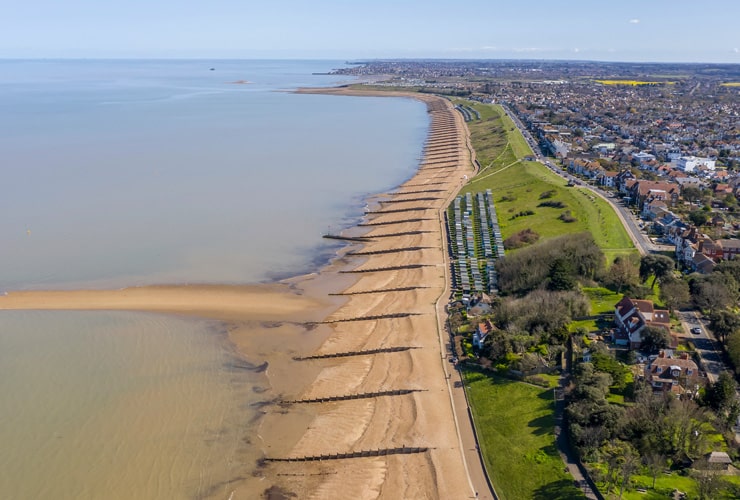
(567, 217)
(521, 239)
(547, 194)
(523, 213)
(552, 204)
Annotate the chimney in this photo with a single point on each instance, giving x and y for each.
(661, 354)
(684, 355)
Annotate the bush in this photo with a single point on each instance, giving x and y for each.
(537, 380)
(547, 194)
(521, 239)
(552, 204)
(567, 217)
(523, 213)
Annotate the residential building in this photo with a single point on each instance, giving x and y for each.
(633, 316)
(691, 163)
(679, 375)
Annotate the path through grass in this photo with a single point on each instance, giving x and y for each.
(516, 431)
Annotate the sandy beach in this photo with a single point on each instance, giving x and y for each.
(385, 295)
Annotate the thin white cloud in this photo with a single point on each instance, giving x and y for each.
(634, 21)
(736, 50)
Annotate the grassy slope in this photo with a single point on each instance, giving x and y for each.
(518, 444)
(500, 148)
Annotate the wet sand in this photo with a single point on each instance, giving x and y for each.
(389, 287)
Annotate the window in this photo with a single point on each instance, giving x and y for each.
(689, 371)
(658, 369)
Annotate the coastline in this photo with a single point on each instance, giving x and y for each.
(407, 238)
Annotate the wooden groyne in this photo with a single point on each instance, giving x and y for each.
(382, 452)
(366, 352)
(403, 233)
(347, 238)
(397, 210)
(374, 317)
(348, 397)
(410, 200)
(426, 184)
(387, 268)
(404, 221)
(447, 167)
(422, 192)
(390, 250)
(382, 290)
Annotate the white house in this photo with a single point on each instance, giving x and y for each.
(690, 163)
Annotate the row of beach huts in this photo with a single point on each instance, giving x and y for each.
(474, 252)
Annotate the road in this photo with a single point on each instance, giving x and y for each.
(707, 347)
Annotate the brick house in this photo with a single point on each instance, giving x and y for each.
(678, 375)
(633, 316)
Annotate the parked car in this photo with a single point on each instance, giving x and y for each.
(696, 330)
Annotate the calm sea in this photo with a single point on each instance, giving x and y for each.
(122, 173)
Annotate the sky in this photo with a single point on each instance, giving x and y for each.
(625, 30)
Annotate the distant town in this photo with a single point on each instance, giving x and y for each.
(666, 137)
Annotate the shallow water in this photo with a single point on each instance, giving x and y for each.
(120, 405)
(128, 173)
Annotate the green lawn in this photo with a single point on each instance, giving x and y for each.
(517, 186)
(515, 421)
(602, 299)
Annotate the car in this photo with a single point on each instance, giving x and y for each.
(696, 330)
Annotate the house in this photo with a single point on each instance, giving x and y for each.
(654, 209)
(608, 179)
(677, 375)
(480, 334)
(724, 249)
(642, 191)
(691, 163)
(718, 460)
(632, 316)
(701, 264)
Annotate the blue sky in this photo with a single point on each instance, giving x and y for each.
(627, 30)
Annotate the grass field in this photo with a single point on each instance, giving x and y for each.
(517, 438)
(518, 185)
(632, 83)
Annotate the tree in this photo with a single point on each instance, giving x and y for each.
(561, 275)
(724, 323)
(607, 364)
(656, 265)
(655, 338)
(674, 292)
(691, 193)
(721, 396)
(731, 267)
(654, 462)
(621, 462)
(622, 273)
(714, 292)
(698, 217)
